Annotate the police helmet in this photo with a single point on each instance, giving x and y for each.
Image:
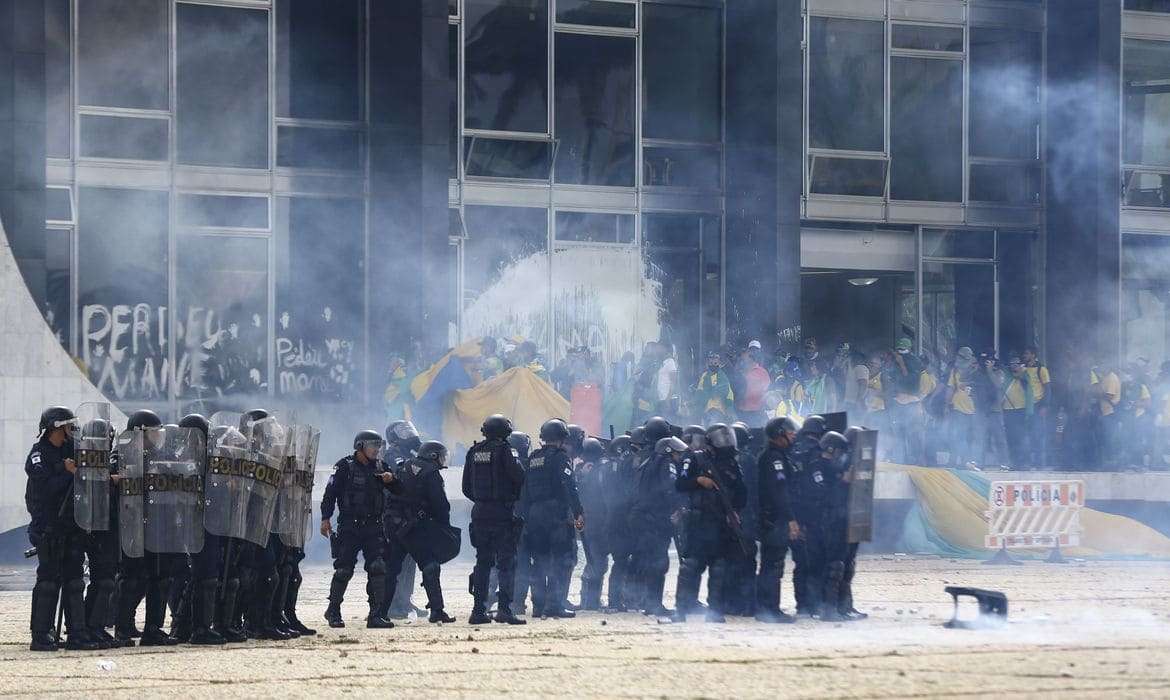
(813, 425)
(433, 451)
(521, 443)
(98, 427)
(143, 419)
(669, 445)
(400, 431)
(656, 429)
(56, 417)
(835, 448)
(576, 434)
(592, 450)
(496, 427)
(252, 416)
(194, 420)
(367, 438)
(695, 436)
(554, 430)
(619, 446)
(638, 437)
(742, 435)
(722, 437)
(780, 426)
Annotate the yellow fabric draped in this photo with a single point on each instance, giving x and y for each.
(422, 382)
(517, 393)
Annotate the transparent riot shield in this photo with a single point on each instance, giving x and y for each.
(862, 471)
(93, 442)
(295, 505)
(131, 515)
(173, 489)
(225, 488)
(264, 469)
(230, 419)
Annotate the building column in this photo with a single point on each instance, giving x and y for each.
(1083, 179)
(764, 98)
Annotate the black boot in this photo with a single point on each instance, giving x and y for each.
(376, 622)
(479, 614)
(44, 608)
(337, 588)
(260, 611)
(276, 610)
(97, 611)
(183, 614)
(439, 615)
(74, 608)
(290, 609)
(333, 616)
(227, 613)
(202, 601)
(129, 596)
(156, 611)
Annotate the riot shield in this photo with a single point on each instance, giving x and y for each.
(173, 487)
(264, 469)
(862, 471)
(294, 506)
(230, 419)
(225, 489)
(131, 515)
(91, 484)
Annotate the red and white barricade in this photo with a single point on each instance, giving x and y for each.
(1034, 514)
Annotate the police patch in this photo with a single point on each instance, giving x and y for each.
(35, 458)
(817, 477)
(515, 454)
(778, 465)
(568, 471)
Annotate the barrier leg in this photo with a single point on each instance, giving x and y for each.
(1002, 558)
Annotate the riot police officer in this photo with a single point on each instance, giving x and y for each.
(839, 555)
(492, 479)
(620, 491)
(805, 495)
(712, 534)
(522, 444)
(355, 491)
(418, 503)
(651, 516)
(551, 509)
(777, 525)
(402, 443)
(740, 582)
(50, 467)
(594, 474)
(199, 597)
(95, 446)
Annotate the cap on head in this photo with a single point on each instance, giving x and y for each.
(904, 346)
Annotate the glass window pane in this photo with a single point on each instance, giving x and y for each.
(58, 204)
(223, 211)
(223, 311)
(1005, 184)
(1145, 277)
(583, 227)
(1146, 82)
(695, 168)
(595, 109)
(505, 266)
(1005, 93)
(133, 138)
(595, 12)
(524, 160)
(318, 47)
(123, 51)
(963, 304)
(506, 65)
(1145, 189)
(58, 273)
(325, 149)
(1148, 5)
(453, 7)
(847, 77)
(948, 243)
(58, 102)
(320, 301)
(865, 177)
(453, 86)
(927, 38)
(926, 129)
(682, 66)
(122, 291)
(223, 86)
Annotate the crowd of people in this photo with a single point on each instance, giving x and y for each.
(207, 518)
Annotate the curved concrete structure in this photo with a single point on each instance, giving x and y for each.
(35, 372)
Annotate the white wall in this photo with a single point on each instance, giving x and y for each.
(35, 372)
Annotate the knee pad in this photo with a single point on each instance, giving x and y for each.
(376, 567)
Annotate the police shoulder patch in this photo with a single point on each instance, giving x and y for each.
(818, 477)
(778, 465)
(515, 454)
(35, 457)
(568, 471)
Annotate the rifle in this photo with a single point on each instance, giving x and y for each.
(734, 523)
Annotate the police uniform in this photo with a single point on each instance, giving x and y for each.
(740, 582)
(620, 489)
(60, 548)
(773, 470)
(102, 551)
(654, 501)
(549, 505)
(398, 602)
(416, 496)
(594, 489)
(355, 491)
(708, 540)
(807, 497)
(492, 479)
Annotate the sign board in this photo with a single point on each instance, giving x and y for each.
(1034, 514)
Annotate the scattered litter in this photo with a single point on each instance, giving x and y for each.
(474, 650)
(106, 665)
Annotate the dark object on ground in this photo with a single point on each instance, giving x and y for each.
(993, 608)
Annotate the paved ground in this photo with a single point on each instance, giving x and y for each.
(1080, 630)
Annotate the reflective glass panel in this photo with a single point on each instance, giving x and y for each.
(123, 53)
(682, 65)
(846, 89)
(595, 105)
(506, 65)
(926, 129)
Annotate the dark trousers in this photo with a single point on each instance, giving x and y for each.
(60, 559)
(495, 543)
(690, 574)
(397, 556)
(650, 562)
(147, 577)
(808, 575)
(1016, 424)
(596, 566)
(773, 548)
(739, 584)
(352, 538)
(102, 550)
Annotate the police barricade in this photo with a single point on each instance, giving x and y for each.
(862, 472)
(294, 505)
(91, 484)
(173, 490)
(1027, 514)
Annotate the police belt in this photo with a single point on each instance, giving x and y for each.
(358, 522)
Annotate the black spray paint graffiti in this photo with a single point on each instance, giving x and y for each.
(316, 360)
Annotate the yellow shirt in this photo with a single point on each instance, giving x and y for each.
(1111, 391)
(962, 400)
(1039, 379)
(1145, 399)
(926, 384)
(1014, 397)
(873, 398)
